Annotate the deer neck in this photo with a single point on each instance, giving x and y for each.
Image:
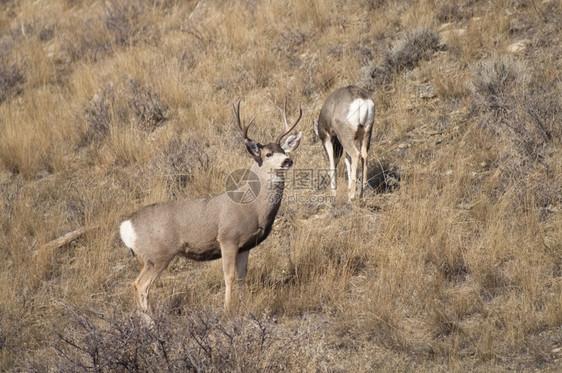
(272, 184)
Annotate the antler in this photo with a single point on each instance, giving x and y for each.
(286, 125)
(243, 128)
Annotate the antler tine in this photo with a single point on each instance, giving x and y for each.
(237, 114)
(278, 141)
(243, 128)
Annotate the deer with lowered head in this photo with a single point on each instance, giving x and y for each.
(346, 119)
(216, 227)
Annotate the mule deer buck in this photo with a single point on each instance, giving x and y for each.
(347, 118)
(216, 227)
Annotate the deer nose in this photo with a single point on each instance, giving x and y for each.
(287, 163)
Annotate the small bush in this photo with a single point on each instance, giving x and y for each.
(406, 54)
(415, 46)
(525, 115)
(98, 115)
(201, 341)
(449, 12)
(496, 81)
(147, 107)
(512, 109)
(117, 22)
(178, 162)
(11, 80)
(383, 177)
(108, 108)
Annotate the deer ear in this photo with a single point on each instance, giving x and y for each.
(254, 148)
(292, 142)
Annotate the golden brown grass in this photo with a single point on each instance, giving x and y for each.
(107, 107)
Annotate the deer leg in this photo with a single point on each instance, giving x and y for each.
(352, 159)
(353, 174)
(229, 253)
(329, 147)
(363, 175)
(150, 271)
(348, 168)
(364, 168)
(241, 268)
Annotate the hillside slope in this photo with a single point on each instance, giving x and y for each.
(452, 261)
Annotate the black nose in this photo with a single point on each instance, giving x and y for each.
(287, 163)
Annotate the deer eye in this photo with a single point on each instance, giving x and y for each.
(269, 155)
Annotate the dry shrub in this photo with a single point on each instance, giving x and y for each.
(117, 19)
(449, 12)
(415, 46)
(202, 341)
(383, 177)
(407, 52)
(496, 83)
(320, 78)
(108, 110)
(288, 45)
(148, 109)
(372, 5)
(526, 117)
(11, 80)
(84, 40)
(98, 116)
(118, 25)
(178, 162)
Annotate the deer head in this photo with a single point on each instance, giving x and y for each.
(272, 155)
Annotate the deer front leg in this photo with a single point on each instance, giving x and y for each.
(228, 252)
(241, 268)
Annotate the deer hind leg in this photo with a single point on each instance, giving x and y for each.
(365, 145)
(333, 158)
(149, 272)
(353, 177)
(351, 162)
(365, 142)
(348, 168)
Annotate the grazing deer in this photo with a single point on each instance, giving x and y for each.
(347, 117)
(216, 227)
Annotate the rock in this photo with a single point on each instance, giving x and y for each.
(517, 47)
(426, 91)
(447, 35)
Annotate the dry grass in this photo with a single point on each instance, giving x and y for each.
(452, 263)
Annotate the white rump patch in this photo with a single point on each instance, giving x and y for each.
(361, 113)
(128, 234)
